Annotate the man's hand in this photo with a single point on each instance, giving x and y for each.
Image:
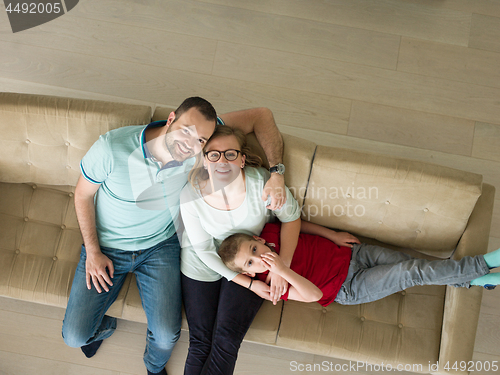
(275, 187)
(345, 239)
(95, 268)
(261, 289)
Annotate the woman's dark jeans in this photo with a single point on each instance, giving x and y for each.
(219, 314)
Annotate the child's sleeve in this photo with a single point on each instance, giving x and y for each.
(271, 232)
(262, 276)
(284, 296)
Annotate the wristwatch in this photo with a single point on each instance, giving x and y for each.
(278, 168)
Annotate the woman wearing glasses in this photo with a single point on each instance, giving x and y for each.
(224, 197)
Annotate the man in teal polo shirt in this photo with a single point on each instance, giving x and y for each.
(127, 204)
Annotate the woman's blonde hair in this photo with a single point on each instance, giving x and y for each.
(199, 174)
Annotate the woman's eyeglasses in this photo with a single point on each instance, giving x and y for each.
(214, 155)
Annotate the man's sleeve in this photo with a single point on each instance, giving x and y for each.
(97, 163)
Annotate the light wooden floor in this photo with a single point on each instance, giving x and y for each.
(418, 79)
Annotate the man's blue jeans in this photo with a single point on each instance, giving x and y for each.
(157, 271)
(376, 272)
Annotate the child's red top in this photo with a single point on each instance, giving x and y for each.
(316, 258)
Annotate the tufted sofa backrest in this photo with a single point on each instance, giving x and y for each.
(396, 201)
(401, 202)
(43, 138)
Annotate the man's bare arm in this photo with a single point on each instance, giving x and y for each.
(96, 263)
(261, 122)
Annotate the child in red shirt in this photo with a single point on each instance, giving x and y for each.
(332, 266)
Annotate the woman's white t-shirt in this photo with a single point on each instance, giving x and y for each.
(205, 227)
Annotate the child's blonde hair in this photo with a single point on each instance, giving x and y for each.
(230, 247)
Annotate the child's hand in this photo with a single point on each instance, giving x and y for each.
(278, 286)
(275, 265)
(272, 262)
(345, 239)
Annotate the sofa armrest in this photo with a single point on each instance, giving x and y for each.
(462, 306)
(475, 239)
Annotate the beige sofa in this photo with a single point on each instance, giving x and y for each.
(404, 204)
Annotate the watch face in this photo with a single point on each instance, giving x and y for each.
(278, 168)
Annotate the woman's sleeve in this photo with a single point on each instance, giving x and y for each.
(202, 242)
(290, 210)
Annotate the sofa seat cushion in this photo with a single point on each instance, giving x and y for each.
(402, 328)
(40, 244)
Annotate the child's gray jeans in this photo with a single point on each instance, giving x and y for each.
(376, 272)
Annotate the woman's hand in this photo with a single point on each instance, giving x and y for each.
(275, 188)
(278, 286)
(344, 239)
(261, 289)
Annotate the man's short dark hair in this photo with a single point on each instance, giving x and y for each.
(202, 105)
